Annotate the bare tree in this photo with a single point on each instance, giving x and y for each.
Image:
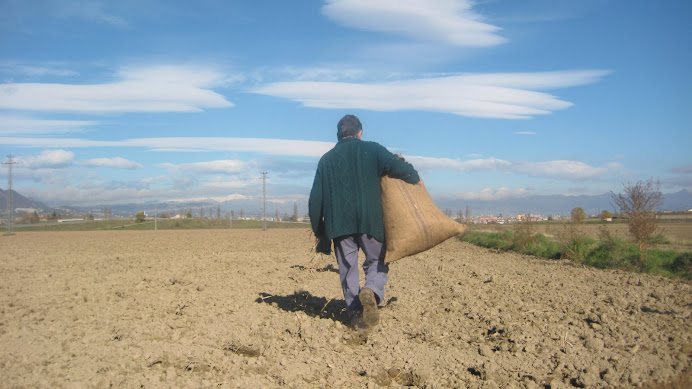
(218, 211)
(638, 206)
(294, 218)
(468, 211)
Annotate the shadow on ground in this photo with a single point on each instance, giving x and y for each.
(329, 267)
(305, 302)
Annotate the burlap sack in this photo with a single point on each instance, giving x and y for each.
(412, 221)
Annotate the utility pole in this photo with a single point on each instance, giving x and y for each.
(10, 208)
(264, 201)
(156, 214)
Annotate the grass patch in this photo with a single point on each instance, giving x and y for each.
(496, 240)
(608, 252)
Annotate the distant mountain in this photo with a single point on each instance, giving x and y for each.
(249, 207)
(19, 201)
(543, 205)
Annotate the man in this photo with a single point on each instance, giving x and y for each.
(345, 206)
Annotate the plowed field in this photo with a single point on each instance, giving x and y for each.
(249, 308)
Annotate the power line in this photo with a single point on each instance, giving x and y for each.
(10, 208)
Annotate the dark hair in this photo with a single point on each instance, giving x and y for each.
(348, 126)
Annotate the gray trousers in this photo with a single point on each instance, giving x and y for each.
(346, 250)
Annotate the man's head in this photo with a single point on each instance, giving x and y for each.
(349, 127)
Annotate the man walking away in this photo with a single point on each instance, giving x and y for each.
(345, 206)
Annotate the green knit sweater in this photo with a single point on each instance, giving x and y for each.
(346, 195)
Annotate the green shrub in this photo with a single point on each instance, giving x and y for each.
(579, 248)
(682, 265)
(609, 252)
(613, 253)
(495, 240)
(540, 246)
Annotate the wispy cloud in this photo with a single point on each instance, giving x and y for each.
(95, 12)
(47, 69)
(93, 195)
(115, 163)
(451, 22)
(525, 133)
(682, 169)
(430, 163)
(151, 89)
(256, 145)
(16, 125)
(89, 10)
(324, 73)
(95, 191)
(47, 159)
(563, 169)
(226, 166)
(492, 194)
(218, 199)
(499, 95)
(559, 169)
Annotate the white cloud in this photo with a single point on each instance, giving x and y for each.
(212, 167)
(94, 12)
(563, 169)
(47, 159)
(525, 133)
(94, 195)
(255, 145)
(224, 183)
(219, 199)
(492, 194)
(560, 169)
(116, 163)
(89, 10)
(508, 96)
(325, 73)
(682, 169)
(36, 71)
(153, 89)
(448, 21)
(25, 125)
(430, 163)
(98, 193)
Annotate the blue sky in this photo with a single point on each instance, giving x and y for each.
(114, 102)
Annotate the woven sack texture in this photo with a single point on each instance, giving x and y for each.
(412, 221)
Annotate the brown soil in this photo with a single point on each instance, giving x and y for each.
(247, 308)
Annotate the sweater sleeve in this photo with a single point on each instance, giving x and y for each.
(315, 202)
(316, 213)
(396, 166)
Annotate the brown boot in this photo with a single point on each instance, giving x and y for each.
(370, 314)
